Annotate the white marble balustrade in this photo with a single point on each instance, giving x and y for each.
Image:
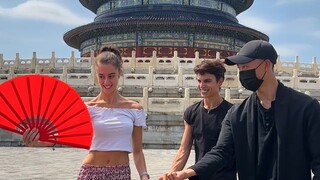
(166, 72)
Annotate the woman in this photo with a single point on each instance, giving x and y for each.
(117, 124)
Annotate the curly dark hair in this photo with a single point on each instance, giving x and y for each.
(215, 67)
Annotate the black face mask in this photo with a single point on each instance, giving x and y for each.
(249, 79)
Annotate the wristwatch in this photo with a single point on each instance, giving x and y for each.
(144, 174)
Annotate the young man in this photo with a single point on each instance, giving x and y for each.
(273, 134)
(202, 120)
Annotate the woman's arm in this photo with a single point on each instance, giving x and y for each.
(138, 155)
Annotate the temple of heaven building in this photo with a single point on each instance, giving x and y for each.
(164, 26)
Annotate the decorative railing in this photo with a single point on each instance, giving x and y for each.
(152, 72)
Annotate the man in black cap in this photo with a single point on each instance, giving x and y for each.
(273, 134)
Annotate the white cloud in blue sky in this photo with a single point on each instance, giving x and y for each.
(308, 25)
(292, 26)
(291, 49)
(272, 27)
(261, 24)
(29, 26)
(43, 10)
(284, 49)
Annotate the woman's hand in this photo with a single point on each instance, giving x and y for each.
(178, 175)
(30, 137)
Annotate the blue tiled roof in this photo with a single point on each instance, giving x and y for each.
(181, 15)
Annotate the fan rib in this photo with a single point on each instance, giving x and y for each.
(10, 129)
(72, 116)
(44, 121)
(40, 101)
(57, 106)
(69, 135)
(31, 103)
(21, 104)
(15, 112)
(12, 122)
(67, 128)
(57, 118)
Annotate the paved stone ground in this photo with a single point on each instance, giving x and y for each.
(25, 163)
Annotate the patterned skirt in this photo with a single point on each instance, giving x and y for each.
(95, 172)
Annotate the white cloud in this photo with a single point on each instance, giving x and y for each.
(284, 2)
(259, 24)
(47, 10)
(291, 50)
(3, 11)
(308, 25)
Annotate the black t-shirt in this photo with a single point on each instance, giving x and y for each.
(267, 144)
(206, 127)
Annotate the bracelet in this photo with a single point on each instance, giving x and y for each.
(55, 142)
(144, 174)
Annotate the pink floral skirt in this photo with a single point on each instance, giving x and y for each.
(95, 172)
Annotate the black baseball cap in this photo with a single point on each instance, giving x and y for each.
(255, 49)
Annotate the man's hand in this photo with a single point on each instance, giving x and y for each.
(178, 175)
(172, 176)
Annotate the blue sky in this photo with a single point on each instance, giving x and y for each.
(293, 26)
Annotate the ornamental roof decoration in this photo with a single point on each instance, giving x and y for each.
(238, 5)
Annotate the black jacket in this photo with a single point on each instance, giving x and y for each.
(297, 120)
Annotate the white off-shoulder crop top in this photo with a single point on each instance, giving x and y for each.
(113, 127)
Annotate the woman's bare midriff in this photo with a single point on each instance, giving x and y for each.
(107, 158)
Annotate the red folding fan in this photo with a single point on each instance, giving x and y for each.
(48, 104)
